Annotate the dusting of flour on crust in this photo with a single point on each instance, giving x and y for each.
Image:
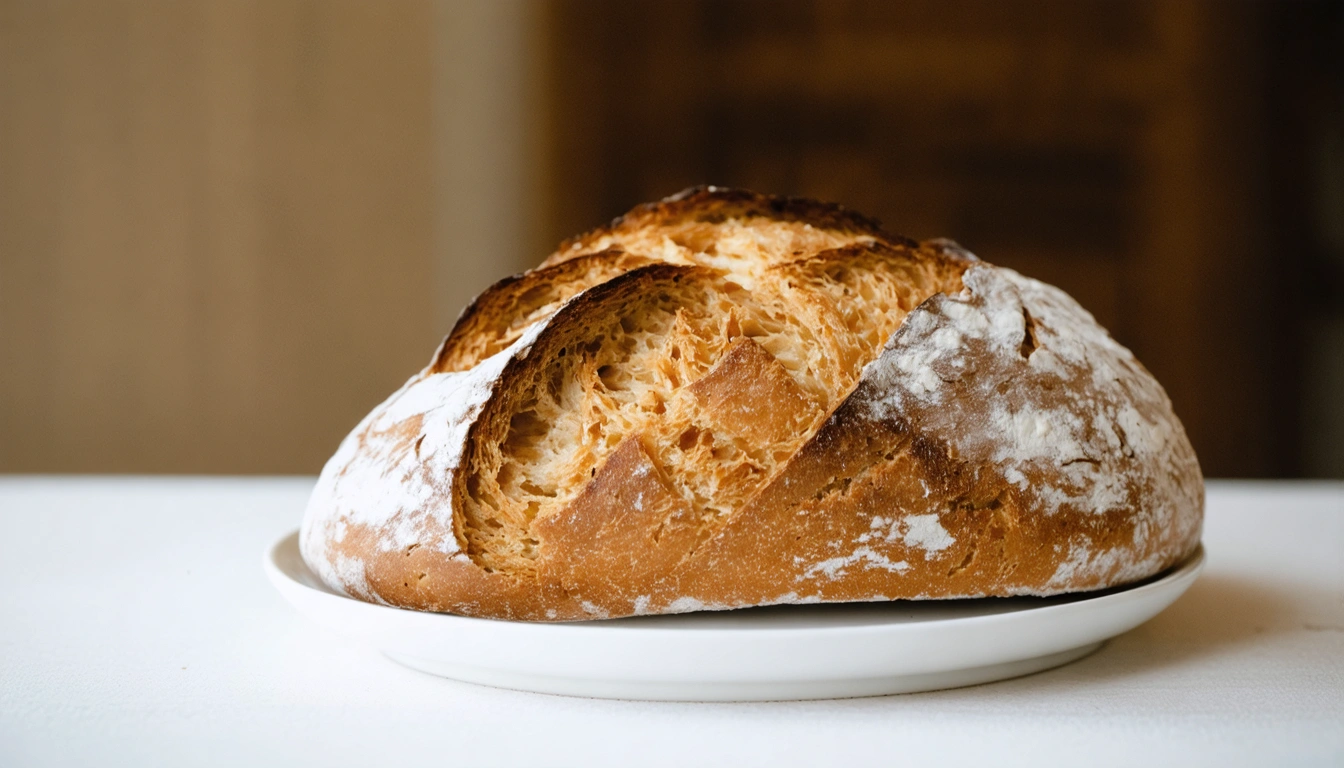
(1014, 374)
(835, 567)
(387, 473)
(916, 531)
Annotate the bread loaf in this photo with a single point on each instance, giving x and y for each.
(725, 400)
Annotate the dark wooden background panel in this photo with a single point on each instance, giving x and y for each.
(1118, 150)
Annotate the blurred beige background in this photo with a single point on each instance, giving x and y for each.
(228, 229)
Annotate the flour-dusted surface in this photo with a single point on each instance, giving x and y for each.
(1014, 374)
(390, 474)
(1001, 444)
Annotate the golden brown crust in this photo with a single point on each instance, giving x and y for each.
(749, 395)
(725, 399)
(625, 533)
(497, 317)
(572, 325)
(713, 205)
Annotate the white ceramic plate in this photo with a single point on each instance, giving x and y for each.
(780, 652)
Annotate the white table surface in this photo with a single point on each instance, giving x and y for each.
(136, 628)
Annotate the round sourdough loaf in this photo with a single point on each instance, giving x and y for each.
(725, 400)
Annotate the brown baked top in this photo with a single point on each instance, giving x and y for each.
(725, 399)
